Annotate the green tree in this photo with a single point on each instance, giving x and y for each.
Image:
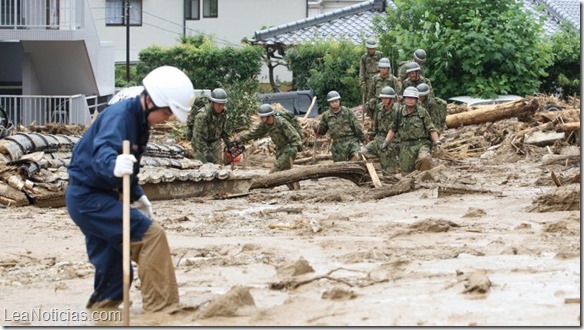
(322, 66)
(564, 74)
(475, 47)
(209, 67)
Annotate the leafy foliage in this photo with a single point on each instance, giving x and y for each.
(209, 67)
(475, 47)
(323, 66)
(564, 74)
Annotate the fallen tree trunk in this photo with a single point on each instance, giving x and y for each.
(353, 171)
(307, 160)
(492, 113)
(403, 186)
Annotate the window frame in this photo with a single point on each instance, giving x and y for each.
(135, 14)
(189, 11)
(207, 4)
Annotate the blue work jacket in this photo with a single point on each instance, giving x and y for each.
(94, 156)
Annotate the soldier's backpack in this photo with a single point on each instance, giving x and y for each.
(291, 119)
(200, 102)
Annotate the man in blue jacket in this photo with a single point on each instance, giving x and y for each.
(95, 183)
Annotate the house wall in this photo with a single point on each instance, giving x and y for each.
(163, 23)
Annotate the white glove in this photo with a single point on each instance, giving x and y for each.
(143, 205)
(124, 165)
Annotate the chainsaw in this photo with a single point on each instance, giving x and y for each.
(231, 152)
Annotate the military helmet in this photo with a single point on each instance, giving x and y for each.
(371, 43)
(265, 110)
(387, 92)
(420, 55)
(423, 89)
(384, 63)
(333, 95)
(411, 92)
(412, 66)
(218, 95)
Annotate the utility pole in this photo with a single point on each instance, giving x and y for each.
(127, 17)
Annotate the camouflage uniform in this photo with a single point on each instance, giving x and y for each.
(377, 83)
(344, 131)
(285, 137)
(381, 125)
(367, 69)
(401, 71)
(436, 111)
(208, 128)
(407, 83)
(414, 132)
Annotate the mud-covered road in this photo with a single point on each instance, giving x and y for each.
(330, 254)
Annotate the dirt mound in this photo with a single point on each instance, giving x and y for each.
(564, 198)
(299, 267)
(228, 304)
(433, 225)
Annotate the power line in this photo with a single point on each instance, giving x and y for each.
(223, 41)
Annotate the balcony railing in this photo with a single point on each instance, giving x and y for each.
(41, 14)
(43, 109)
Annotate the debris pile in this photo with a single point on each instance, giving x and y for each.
(33, 168)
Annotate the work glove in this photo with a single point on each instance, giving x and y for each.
(383, 145)
(143, 205)
(437, 144)
(124, 165)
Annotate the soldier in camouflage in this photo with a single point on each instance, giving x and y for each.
(343, 128)
(284, 136)
(417, 134)
(380, 80)
(368, 66)
(433, 106)
(208, 128)
(415, 78)
(384, 117)
(419, 57)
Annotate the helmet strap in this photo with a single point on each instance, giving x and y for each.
(154, 107)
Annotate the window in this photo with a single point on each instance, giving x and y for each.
(115, 13)
(210, 8)
(192, 9)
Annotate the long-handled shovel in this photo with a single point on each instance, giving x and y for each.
(126, 239)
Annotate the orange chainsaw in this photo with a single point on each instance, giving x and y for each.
(232, 151)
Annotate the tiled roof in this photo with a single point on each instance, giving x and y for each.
(557, 11)
(354, 22)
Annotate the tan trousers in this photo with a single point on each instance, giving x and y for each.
(156, 271)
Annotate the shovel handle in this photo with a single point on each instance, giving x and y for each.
(126, 239)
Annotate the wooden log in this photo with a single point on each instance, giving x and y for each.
(353, 171)
(492, 113)
(403, 186)
(568, 127)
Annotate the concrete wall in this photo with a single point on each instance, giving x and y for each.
(163, 23)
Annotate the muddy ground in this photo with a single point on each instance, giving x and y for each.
(506, 252)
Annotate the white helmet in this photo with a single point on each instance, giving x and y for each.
(411, 92)
(126, 93)
(170, 87)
